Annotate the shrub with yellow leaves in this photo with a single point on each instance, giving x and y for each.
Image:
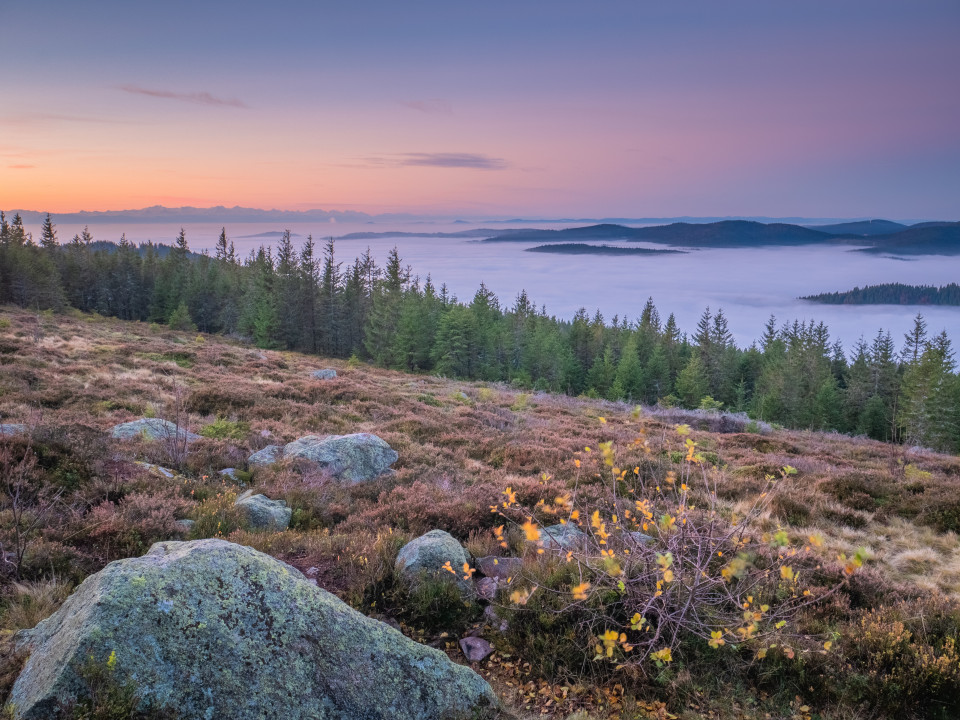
(662, 563)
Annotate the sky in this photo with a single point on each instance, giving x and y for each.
(502, 108)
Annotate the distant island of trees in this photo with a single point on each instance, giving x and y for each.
(892, 294)
(585, 249)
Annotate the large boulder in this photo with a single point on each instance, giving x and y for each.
(218, 630)
(426, 556)
(324, 374)
(152, 429)
(262, 513)
(353, 458)
(269, 455)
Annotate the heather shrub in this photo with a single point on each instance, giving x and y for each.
(221, 400)
(130, 527)
(905, 658)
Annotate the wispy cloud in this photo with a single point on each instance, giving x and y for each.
(21, 167)
(199, 98)
(475, 161)
(33, 118)
(431, 106)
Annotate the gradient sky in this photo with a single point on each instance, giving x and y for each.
(822, 109)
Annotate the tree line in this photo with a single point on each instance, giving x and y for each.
(306, 299)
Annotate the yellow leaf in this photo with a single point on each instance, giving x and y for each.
(531, 531)
(580, 591)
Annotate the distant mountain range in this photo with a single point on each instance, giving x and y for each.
(939, 238)
(223, 214)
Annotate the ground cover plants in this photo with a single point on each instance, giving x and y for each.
(700, 537)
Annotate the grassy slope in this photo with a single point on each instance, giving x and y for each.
(460, 445)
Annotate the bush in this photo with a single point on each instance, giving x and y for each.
(217, 516)
(660, 572)
(222, 429)
(130, 527)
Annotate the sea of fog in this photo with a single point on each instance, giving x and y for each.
(749, 285)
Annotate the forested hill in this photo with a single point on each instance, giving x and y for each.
(726, 234)
(935, 238)
(862, 227)
(892, 294)
(927, 239)
(307, 299)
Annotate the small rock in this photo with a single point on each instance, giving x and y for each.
(269, 455)
(187, 525)
(427, 555)
(499, 567)
(325, 374)
(158, 470)
(640, 538)
(562, 537)
(152, 429)
(494, 620)
(475, 649)
(12, 429)
(262, 513)
(487, 588)
(229, 472)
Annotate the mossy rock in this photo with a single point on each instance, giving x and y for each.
(213, 629)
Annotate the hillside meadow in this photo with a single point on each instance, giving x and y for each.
(850, 543)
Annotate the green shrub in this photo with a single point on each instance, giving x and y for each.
(222, 429)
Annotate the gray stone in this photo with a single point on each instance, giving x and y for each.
(562, 537)
(487, 588)
(640, 538)
(262, 513)
(269, 455)
(353, 458)
(426, 556)
(229, 472)
(152, 429)
(158, 470)
(213, 629)
(325, 374)
(499, 567)
(475, 649)
(12, 429)
(187, 525)
(492, 619)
